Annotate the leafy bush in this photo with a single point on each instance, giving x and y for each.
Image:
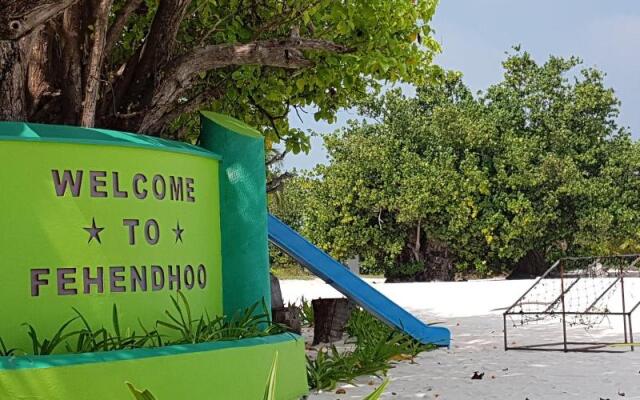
(404, 272)
(375, 347)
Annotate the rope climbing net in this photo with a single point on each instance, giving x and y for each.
(579, 291)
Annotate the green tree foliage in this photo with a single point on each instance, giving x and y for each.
(535, 164)
(288, 203)
(148, 65)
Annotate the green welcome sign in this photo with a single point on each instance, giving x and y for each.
(93, 218)
(89, 226)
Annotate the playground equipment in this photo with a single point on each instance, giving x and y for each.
(350, 285)
(579, 291)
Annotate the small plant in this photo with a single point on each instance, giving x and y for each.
(4, 351)
(139, 394)
(369, 333)
(270, 390)
(376, 347)
(91, 340)
(86, 338)
(375, 395)
(243, 324)
(306, 308)
(47, 346)
(325, 370)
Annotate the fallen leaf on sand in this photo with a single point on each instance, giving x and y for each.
(477, 375)
(401, 357)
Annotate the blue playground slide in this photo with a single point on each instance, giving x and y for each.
(350, 285)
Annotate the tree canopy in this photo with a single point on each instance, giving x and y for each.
(147, 65)
(451, 181)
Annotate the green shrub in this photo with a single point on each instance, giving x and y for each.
(376, 346)
(244, 324)
(404, 272)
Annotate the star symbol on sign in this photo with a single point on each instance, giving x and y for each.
(178, 231)
(94, 231)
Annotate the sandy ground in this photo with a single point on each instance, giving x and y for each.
(473, 312)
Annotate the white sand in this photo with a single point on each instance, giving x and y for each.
(473, 312)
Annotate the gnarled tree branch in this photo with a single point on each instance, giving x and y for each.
(276, 158)
(277, 182)
(19, 17)
(272, 118)
(179, 74)
(141, 72)
(189, 106)
(283, 53)
(116, 28)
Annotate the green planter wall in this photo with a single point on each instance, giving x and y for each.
(209, 371)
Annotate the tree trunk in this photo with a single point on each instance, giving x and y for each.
(290, 316)
(276, 294)
(13, 78)
(531, 265)
(330, 319)
(434, 263)
(438, 263)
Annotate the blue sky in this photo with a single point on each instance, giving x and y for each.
(475, 34)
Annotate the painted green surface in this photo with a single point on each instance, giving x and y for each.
(231, 124)
(42, 230)
(31, 132)
(243, 211)
(208, 371)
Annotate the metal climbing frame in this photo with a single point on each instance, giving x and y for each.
(578, 291)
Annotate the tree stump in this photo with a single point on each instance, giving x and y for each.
(276, 293)
(330, 319)
(289, 316)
